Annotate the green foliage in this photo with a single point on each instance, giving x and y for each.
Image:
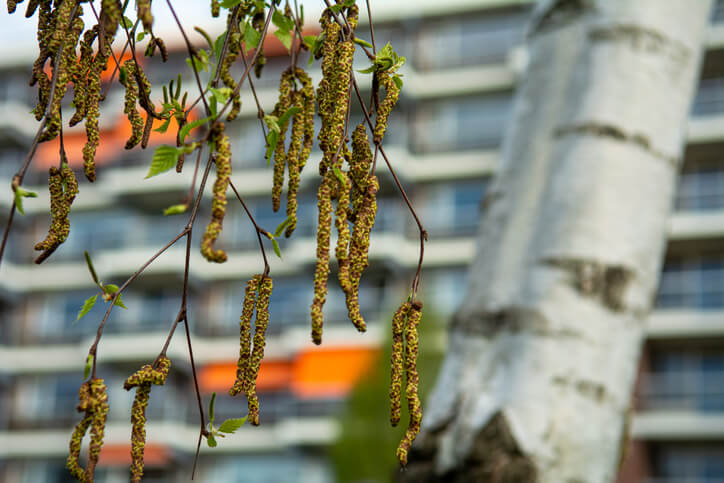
(385, 60)
(21, 193)
(229, 426)
(87, 306)
(365, 450)
(175, 209)
(165, 157)
(88, 366)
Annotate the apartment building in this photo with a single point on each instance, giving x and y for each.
(443, 141)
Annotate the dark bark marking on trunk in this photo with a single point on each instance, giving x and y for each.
(644, 39)
(603, 130)
(605, 283)
(494, 458)
(511, 320)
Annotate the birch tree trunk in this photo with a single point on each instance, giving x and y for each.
(543, 352)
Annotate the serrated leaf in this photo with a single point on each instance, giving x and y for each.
(122, 75)
(285, 37)
(282, 226)
(211, 441)
(87, 306)
(285, 117)
(88, 366)
(336, 8)
(175, 210)
(251, 37)
(211, 409)
(272, 122)
(272, 138)
(163, 127)
(309, 41)
(110, 288)
(277, 250)
(362, 42)
(21, 193)
(164, 158)
(119, 302)
(219, 44)
(221, 94)
(91, 268)
(282, 21)
(188, 127)
(231, 425)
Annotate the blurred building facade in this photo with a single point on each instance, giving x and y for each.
(443, 141)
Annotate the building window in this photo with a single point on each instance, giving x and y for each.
(466, 41)
(687, 379)
(696, 282)
(461, 123)
(453, 209)
(701, 187)
(717, 11)
(688, 464)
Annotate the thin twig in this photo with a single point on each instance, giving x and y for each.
(259, 230)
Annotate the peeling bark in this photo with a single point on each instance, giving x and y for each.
(544, 349)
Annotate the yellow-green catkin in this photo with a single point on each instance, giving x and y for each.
(247, 312)
(359, 169)
(325, 90)
(93, 401)
(293, 162)
(142, 381)
(411, 391)
(321, 271)
(359, 248)
(218, 204)
(257, 351)
(282, 105)
(215, 8)
(143, 11)
(63, 188)
(66, 68)
(129, 107)
(344, 187)
(383, 111)
(12, 5)
(397, 364)
(92, 111)
(80, 80)
(111, 16)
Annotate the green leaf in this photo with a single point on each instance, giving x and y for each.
(140, 36)
(271, 144)
(211, 441)
(127, 23)
(282, 226)
(368, 70)
(87, 306)
(336, 8)
(211, 409)
(111, 288)
(284, 36)
(275, 244)
(282, 21)
(309, 41)
(163, 127)
(230, 3)
(340, 176)
(221, 94)
(251, 37)
(188, 127)
(119, 302)
(219, 44)
(231, 425)
(285, 117)
(213, 106)
(272, 122)
(175, 210)
(88, 366)
(19, 195)
(362, 42)
(398, 81)
(122, 75)
(164, 158)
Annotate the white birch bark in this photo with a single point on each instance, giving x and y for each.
(544, 350)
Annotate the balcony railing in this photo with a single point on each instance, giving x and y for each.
(683, 390)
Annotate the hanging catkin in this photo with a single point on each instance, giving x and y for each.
(411, 391)
(321, 272)
(143, 11)
(397, 361)
(247, 312)
(80, 80)
(282, 105)
(129, 108)
(383, 111)
(250, 359)
(142, 381)
(94, 403)
(218, 205)
(63, 188)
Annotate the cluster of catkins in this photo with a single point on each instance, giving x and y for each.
(302, 136)
(63, 188)
(404, 358)
(138, 89)
(94, 403)
(257, 294)
(142, 381)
